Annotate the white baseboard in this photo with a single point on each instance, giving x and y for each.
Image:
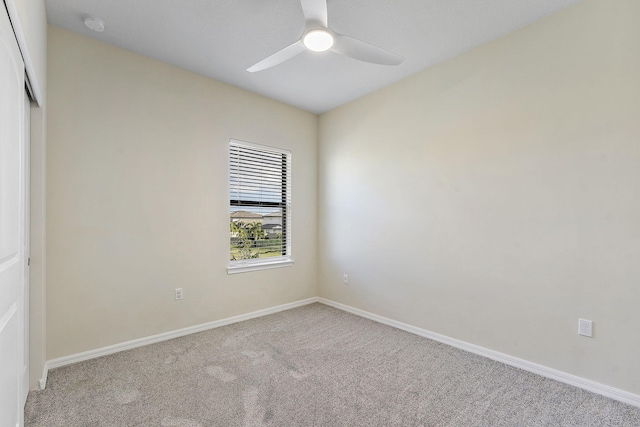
(604, 390)
(554, 374)
(115, 348)
(42, 382)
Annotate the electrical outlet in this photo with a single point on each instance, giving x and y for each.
(345, 279)
(178, 294)
(585, 328)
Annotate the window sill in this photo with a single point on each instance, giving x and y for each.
(244, 268)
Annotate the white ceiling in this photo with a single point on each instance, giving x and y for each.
(222, 38)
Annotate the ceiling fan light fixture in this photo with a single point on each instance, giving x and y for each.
(319, 37)
(318, 40)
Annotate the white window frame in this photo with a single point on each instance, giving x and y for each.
(242, 266)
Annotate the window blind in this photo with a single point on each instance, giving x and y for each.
(259, 202)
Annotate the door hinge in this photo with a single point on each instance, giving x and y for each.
(29, 262)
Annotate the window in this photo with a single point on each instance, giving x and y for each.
(259, 207)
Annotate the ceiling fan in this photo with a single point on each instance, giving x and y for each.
(318, 37)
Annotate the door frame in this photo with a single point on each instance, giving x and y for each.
(27, 243)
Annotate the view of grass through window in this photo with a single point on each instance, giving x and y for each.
(255, 235)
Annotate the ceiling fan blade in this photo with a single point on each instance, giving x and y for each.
(278, 57)
(363, 51)
(315, 11)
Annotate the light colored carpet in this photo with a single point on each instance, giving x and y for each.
(310, 366)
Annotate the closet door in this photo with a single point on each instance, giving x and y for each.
(12, 226)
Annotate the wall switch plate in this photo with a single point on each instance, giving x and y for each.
(345, 279)
(585, 327)
(178, 294)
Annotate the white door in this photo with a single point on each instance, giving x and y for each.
(12, 226)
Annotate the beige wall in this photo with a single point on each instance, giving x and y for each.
(33, 23)
(138, 198)
(492, 198)
(495, 198)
